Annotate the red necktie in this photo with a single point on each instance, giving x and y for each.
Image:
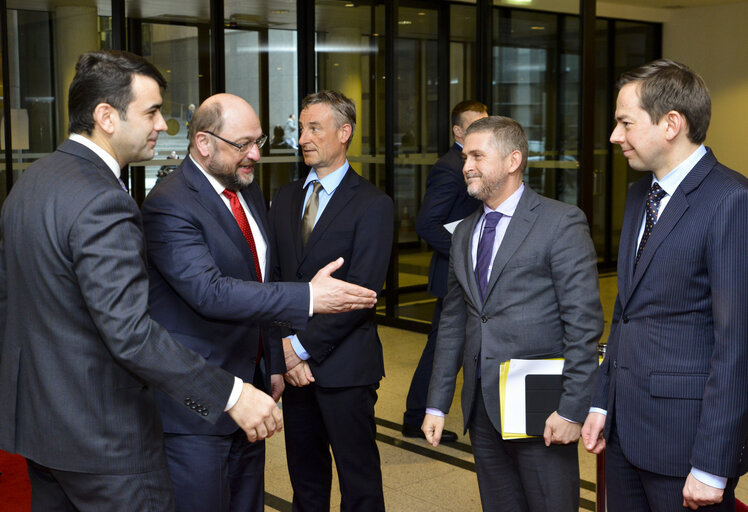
(241, 219)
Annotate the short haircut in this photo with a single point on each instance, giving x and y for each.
(665, 85)
(467, 106)
(207, 118)
(343, 108)
(508, 135)
(105, 76)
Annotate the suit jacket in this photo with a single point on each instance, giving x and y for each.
(446, 201)
(674, 378)
(79, 353)
(357, 224)
(204, 290)
(542, 301)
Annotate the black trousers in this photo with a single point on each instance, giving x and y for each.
(522, 475)
(317, 419)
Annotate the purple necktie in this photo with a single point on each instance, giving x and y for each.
(652, 207)
(485, 248)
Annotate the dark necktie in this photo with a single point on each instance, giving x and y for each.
(310, 214)
(241, 219)
(652, 207)
(485, 248)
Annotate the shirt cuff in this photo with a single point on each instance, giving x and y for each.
(434, 412)
(598, 410)
(235, 393)
(300, 350)
(311, 300)
(718, 482)
(567, 419)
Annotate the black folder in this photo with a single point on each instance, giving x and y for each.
(542, 395)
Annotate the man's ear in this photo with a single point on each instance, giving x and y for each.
(105, 118)
(515, 160)
(457, 132)
(203, 144)
(345, 133)
(675, 124)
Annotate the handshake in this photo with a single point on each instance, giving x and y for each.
(256, 412)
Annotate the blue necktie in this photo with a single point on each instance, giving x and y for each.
(652, 208)
(485, 248)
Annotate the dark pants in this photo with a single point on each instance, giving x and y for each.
(415, 404)
(65, 491)
(630, 489)
(522, 475)
(216, 473)
(316, 419)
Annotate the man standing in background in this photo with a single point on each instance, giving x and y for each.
(446, 201)
(335, 363)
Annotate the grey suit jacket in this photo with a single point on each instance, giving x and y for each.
(542, 301)
(78, 351)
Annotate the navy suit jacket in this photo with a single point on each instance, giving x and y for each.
(204, 290)
(79, 354)
(446, 201)
(356, 224)
(675, 378)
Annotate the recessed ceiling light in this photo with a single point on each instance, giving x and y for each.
(280, 11)
(537, 28)
(404, 22)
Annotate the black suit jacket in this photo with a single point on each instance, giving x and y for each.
(204, 290)
(446, 201)
(357, 224)
(674, 379)
(79, 352)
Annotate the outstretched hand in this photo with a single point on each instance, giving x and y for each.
(335, 296)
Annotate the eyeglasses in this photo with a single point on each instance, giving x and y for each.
(259, 141)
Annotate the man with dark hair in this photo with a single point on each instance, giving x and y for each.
(522, 284)
(670, 406)
(446, 201)
(207, 238)
(335, 363)
(79, 354)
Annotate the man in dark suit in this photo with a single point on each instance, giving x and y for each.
(79, 355)
(207, 239)
(522, 284)
(673, 383)
(335, 363)
(446, 201)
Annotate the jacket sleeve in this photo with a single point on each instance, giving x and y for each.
(442, 190)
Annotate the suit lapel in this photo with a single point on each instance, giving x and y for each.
(345, 192)
(519, 227)
(629, 236)
(466, 266)
(257, 209)
(297, 203)
(206, 196)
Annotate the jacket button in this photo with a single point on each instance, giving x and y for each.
(484, 319)
(188, 401)
(625, 319)
(204, 413)
(298, 275)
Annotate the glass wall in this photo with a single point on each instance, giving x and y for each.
(533, 74)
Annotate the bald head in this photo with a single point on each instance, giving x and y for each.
(223, 135)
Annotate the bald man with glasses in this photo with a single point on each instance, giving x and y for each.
(208, 257)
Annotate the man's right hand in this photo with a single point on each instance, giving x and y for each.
(256, 414)
(335, 296)
(592, 433)
(432, 427)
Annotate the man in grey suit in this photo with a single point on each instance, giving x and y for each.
(79, 354)
(670, 405)
(522, 284)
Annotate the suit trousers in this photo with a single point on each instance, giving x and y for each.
(630, 489)
(316, 419)
(53, 490)
(415, 403)
(522, 475)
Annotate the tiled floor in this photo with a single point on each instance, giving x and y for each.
(416, 476)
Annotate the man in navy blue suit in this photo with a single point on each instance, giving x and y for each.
(208, 254)
(670, 406)
(446, 201)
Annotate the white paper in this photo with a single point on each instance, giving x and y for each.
(514, 398)
(452, 225)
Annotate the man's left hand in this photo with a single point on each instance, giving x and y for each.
(292, 360)
(698, 494)
(560, 431)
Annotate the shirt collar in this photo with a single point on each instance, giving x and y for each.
(672, 179)
(213, 182)
(102, 153)
(329, 182)
(509, 205)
